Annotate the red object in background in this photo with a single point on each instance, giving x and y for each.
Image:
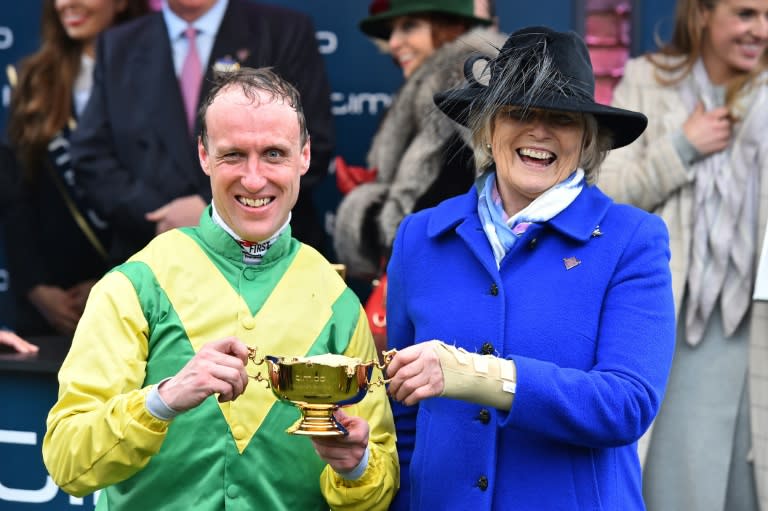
(376, 310)
(607, 37)
(350, 176)
(378, 6)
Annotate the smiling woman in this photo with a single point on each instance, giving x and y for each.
(534, 150)
(518, 307)
(417, 157)
(54, 85)
(83, 20)
(703, 166)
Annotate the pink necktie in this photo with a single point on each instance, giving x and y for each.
(191, 77)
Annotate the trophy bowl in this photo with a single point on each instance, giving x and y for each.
(318, 385)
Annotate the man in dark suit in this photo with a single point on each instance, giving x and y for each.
(134, 152)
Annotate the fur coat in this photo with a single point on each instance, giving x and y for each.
(420, 154)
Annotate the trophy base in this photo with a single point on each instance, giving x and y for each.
(317, 420)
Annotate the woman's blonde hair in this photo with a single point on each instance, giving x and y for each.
(686, 42)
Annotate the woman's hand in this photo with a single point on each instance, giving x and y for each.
(416, 374)
(708, 131)
(8, 338)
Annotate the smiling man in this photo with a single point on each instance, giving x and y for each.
(138, 133)
(153, 402)
(255, 147)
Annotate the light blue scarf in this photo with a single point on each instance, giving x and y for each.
(503, 231)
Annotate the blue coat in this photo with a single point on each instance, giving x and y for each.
(583, 305)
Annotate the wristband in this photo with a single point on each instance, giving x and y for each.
(359, 470)
(157, 406)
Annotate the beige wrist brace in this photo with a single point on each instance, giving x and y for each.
(481, 379)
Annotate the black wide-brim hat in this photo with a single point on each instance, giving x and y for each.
(570, 86)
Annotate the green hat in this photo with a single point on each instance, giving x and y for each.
(383, 11)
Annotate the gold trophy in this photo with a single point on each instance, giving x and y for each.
(318, 386)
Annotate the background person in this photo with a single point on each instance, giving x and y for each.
(417, 157)
(7, 196)
(135, 151)
(13, 341)
(702, 167)
(56, 244)
(533, 316)
(153, 404)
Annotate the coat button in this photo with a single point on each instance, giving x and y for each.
(482, 483)
(532, 243)
(239, 432)
(487, 349)
(494, 290)
(249, 273)
(484, 416)
(247, 321)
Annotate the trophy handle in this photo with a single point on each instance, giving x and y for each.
(253, 357)
(387, 357)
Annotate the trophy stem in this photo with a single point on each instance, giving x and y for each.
(317, 420)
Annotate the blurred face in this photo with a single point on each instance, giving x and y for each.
(190, 10)
(533, 152)
(411, 42)
(254, 159)
(83, 20)
(734, 38)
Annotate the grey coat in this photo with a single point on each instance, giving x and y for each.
(650, 174)
(409, 151)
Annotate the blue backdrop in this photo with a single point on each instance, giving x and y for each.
(362, 80)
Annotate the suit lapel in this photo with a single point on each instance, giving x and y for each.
(233, 42)
(156, 83)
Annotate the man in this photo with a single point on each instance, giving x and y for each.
(153, 402)
(134, 152)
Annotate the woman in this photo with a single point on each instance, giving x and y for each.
(533, 316)
(418, 155)
(57, 244)
(702, 166)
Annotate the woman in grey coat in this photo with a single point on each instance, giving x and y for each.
(702, 165)
(419, 156)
